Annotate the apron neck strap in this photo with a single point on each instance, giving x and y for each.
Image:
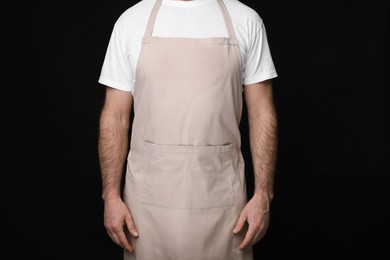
(221, 4)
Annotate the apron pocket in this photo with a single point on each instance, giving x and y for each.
(187, 177)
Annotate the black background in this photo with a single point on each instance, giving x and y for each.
(331, 187)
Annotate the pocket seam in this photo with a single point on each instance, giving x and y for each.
(229, 172)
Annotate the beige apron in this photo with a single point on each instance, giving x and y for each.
(185, 184)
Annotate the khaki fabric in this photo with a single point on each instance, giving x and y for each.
(185, 183)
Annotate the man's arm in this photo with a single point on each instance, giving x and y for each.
(263, 138)
(113, 146)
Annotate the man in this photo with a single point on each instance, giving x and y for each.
(185, 66)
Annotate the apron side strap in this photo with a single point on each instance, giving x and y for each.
(227, 18)
(152, 18)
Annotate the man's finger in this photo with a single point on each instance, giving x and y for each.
(240, 223)
(131, 227)
(113, 237)
(248, 238)
(123, 240)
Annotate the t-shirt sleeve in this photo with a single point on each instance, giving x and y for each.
(116, 71)
(259, 65)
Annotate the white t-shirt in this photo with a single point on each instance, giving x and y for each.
(193, 19)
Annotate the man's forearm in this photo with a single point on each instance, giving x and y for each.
(113, 146)
(263, 144)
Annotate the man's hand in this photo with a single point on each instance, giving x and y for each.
(256, 213)
(116, 217)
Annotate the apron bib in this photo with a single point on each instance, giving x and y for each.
(185, 183)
